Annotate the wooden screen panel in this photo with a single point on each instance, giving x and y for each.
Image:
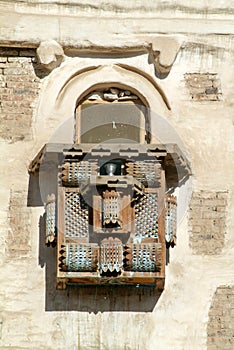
(125, 215)
(146, 216)
(143, 257)
(76, 215)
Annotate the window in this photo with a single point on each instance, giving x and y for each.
(117, 116)
(111, 224)
(112, 219)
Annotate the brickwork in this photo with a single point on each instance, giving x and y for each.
(19, 86)
(19, 234)
(207, 222)
(220, 330)
(203, 86)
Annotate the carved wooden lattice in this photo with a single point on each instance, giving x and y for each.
(111, 208)
(144, 257)
(79, 257)
(50, 209)
(76, 215)
(144, 171)
(111, 255)
(171, 219)
(146, 216)
(75, 172)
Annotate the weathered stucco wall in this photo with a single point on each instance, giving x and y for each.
(191, 99)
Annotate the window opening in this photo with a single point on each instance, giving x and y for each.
(112, 219)
(103, 116)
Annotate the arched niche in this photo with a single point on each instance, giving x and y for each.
(67, 85)
(112, 113)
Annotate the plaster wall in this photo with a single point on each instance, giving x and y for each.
(33, 315)
(135, 22)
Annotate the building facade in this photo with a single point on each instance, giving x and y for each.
(176, 60)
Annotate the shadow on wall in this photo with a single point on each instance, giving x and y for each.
(90, 298)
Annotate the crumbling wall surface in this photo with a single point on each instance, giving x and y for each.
(195, 310)
(18, 93)
(208, 212)
(135, 22)
(220, 325)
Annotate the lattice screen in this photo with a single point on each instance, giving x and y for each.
(144, 171)
(76, 215)
(111, 255)
(50, 209)
(144, 257)
(171, 219)
(74, 172)
(79, 257)
(111, 208)
(146, 216)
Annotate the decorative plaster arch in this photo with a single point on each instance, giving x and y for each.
(68, 84)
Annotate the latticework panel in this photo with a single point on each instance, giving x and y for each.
(78, 257)
(76, 215)
(111, 208)
(144, 257)
(147, 171)
(50, 209)
(146, 216)
(111, 255)
(74, 172)
(171, 219)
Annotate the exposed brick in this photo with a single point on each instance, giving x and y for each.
(203, 86)
(220, 328)
(207, 223)
(6, 51)
(19, 236)
(217, 201)
(24, 78)
(11, 65)
(18, 118)
(15, 71)
(27, 53)
(5, 97)
(19, 85)
(18, 95)
(196, 202)
(15, 110)
(213, 214)
(204, 195)
(5, 91)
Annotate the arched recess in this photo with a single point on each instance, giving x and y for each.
(112, 112)
(67, 85)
